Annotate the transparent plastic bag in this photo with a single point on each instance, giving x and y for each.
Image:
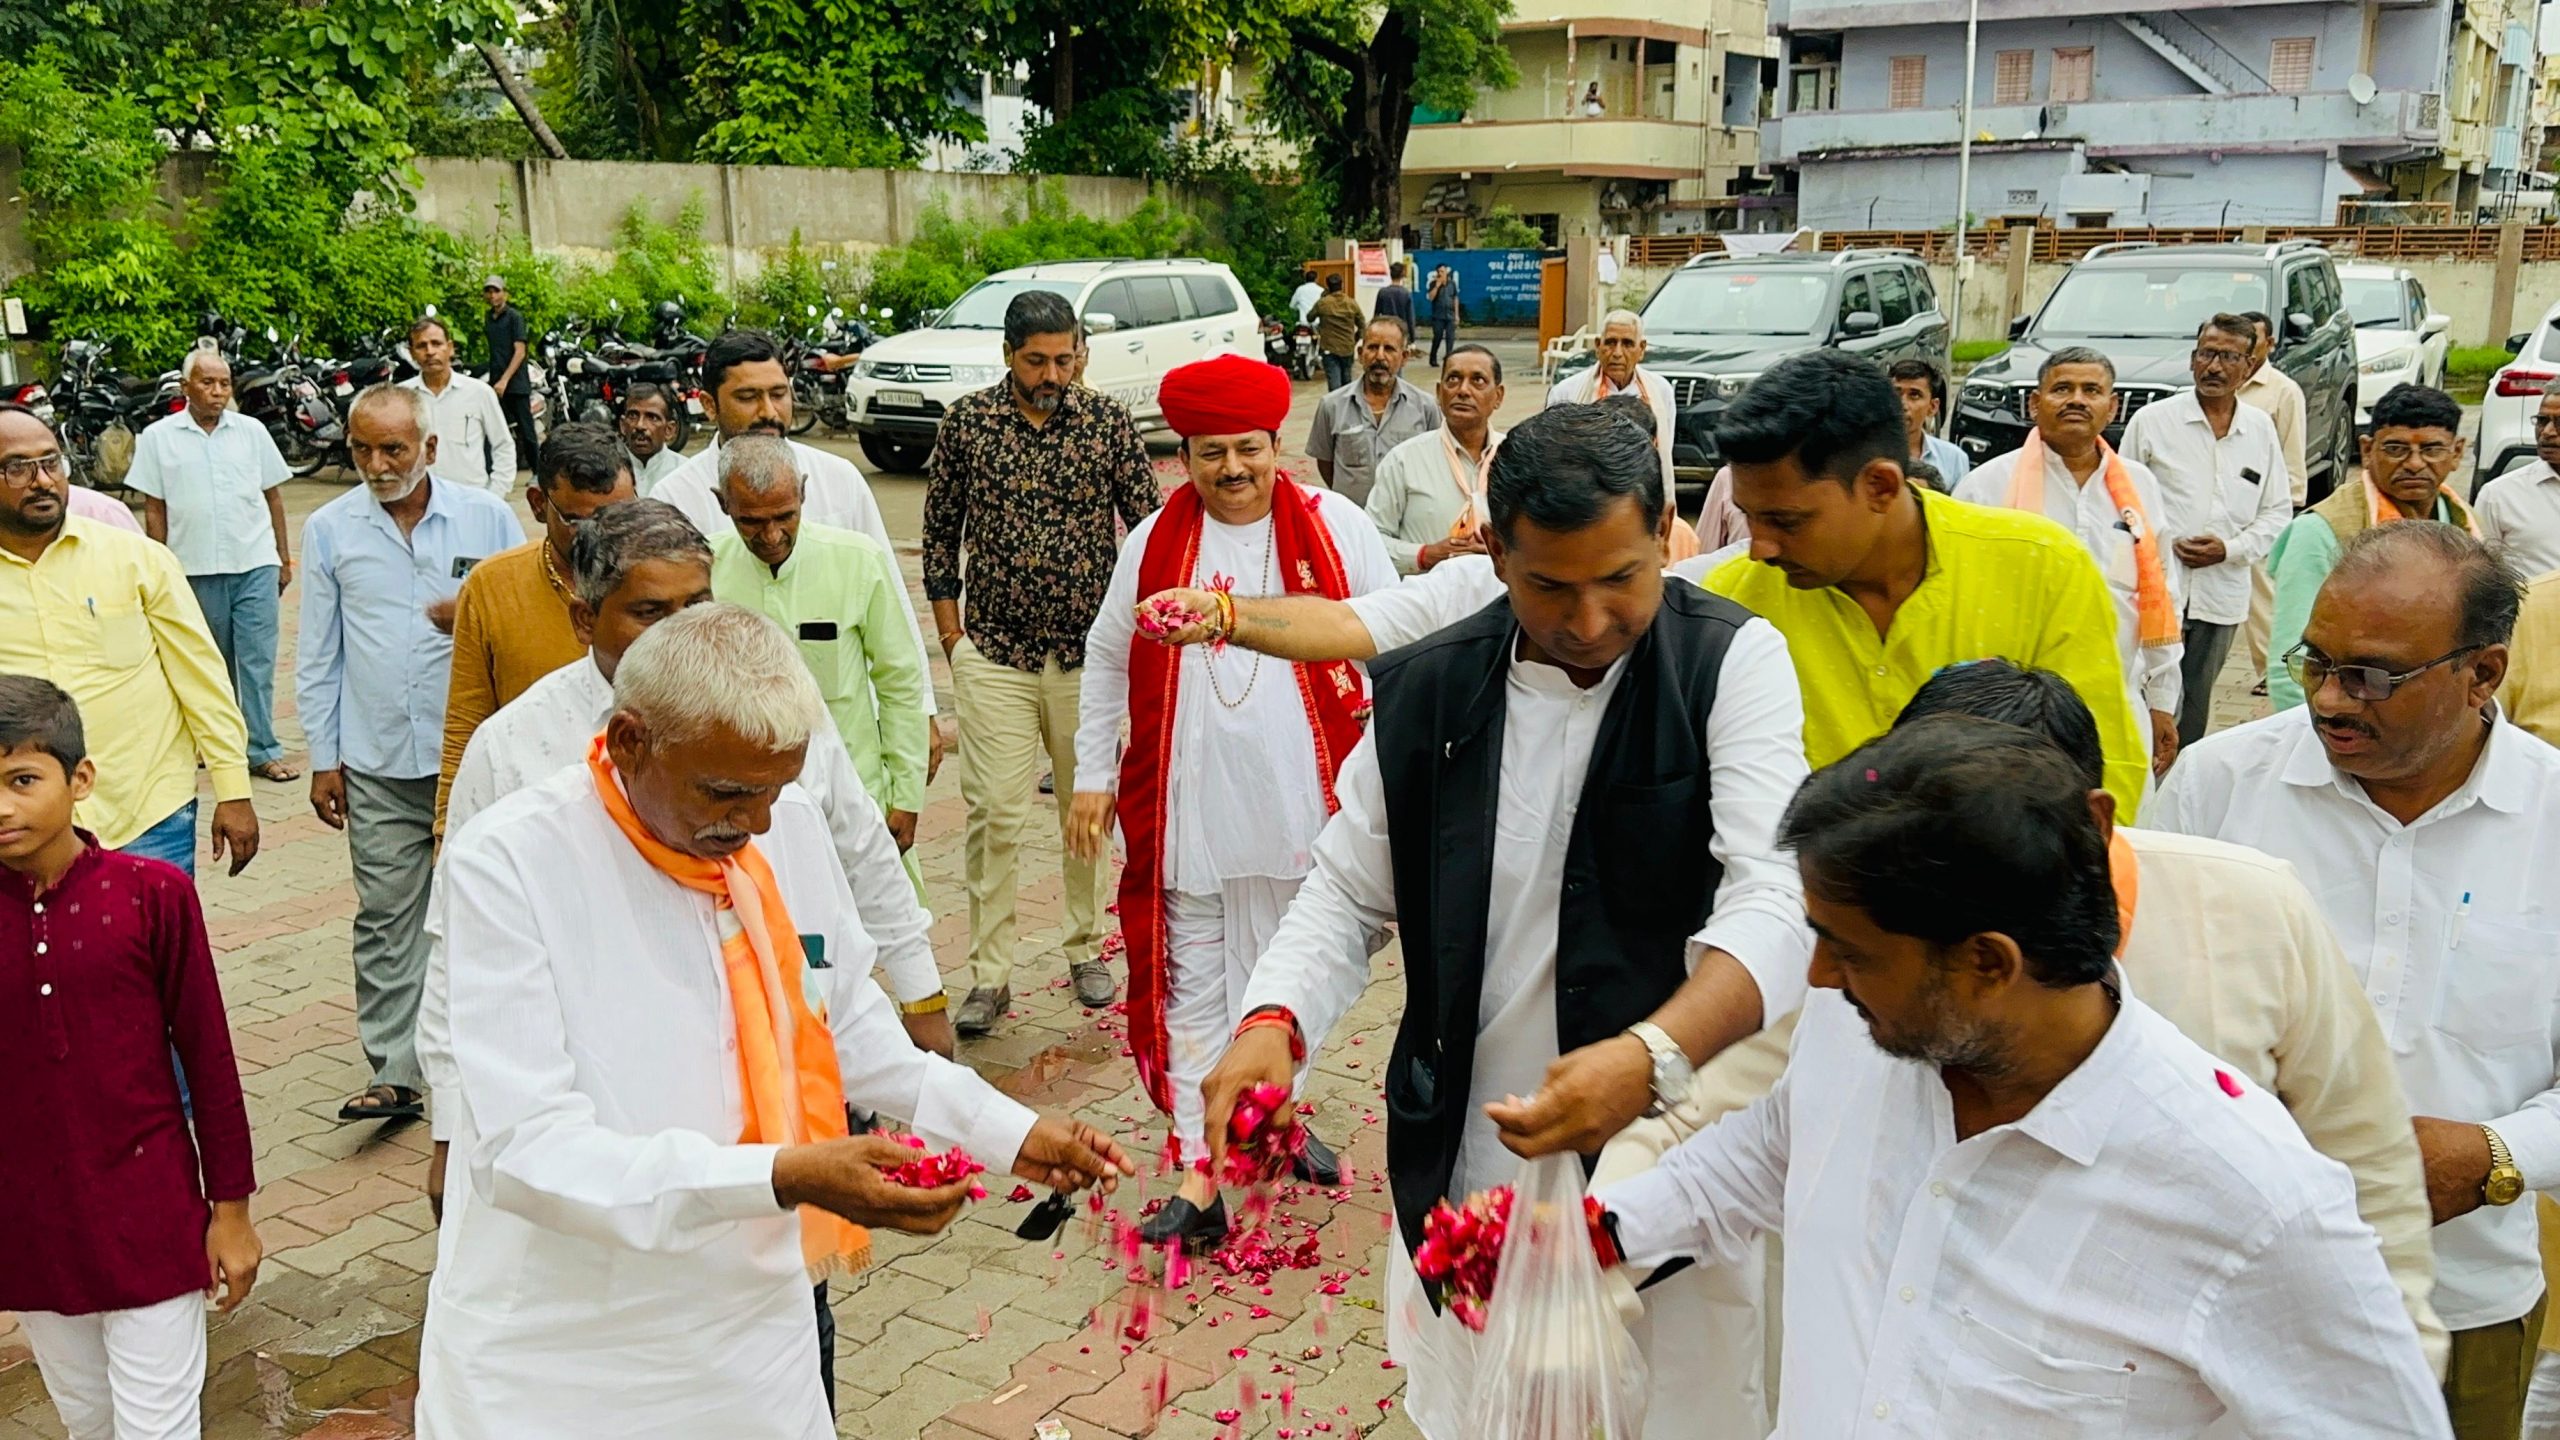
(1556, 1361)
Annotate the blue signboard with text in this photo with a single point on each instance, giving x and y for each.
(1495, 287)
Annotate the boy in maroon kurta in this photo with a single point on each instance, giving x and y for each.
(112, 1229)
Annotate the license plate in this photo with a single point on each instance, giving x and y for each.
(343, 388)
(693, 405)
(900, 399)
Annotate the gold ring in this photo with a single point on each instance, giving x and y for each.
(1093, 829)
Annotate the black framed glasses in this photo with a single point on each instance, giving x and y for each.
(2546, 422)
(2434, 452)
(2218, 358)
(2370, 683)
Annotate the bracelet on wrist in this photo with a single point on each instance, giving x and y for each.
(1277, 1017)
(933, 1004)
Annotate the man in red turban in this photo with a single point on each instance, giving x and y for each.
(1228, 773)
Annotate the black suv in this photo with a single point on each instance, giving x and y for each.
(1720, 320)
(2140, 304)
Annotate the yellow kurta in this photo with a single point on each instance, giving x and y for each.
(1999, 583)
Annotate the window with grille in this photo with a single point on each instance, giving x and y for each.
(1909, 85)
(2013, 78)
(2071, 76)
(2289, 64)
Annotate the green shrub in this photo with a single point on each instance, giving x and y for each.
(2475, 362)
(1974, 352)
(1502, 229)
(951, 252)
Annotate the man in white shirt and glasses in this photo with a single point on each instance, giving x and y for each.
(2222, 473)
(2016, 1200)
(2429, 826)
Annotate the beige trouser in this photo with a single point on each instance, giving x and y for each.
(1007, 717)
(2262, 611)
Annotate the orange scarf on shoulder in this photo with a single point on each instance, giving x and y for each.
(2152, 607)
(786, 1054)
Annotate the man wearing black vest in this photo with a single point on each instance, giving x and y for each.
(1569, 802)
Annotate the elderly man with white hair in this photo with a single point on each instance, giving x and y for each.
(1621, 348)
(369, 676)
(207, 475)
(667, 1009)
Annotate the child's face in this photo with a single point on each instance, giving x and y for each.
(35, 801)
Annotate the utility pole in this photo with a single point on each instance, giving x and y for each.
(1964, 167)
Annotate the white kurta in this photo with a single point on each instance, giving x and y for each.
(2139, 1255)
(2151, 672)
(832, 492)
(1755, 748)
(1244, 803)
(550, 726)
(611, 1262)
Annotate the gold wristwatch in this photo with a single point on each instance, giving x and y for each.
(929, 1005)
(2505, 1184)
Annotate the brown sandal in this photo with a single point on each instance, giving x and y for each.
(382, 1102)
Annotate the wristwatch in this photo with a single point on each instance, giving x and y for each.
(2505, 1184)
(1672, 1071)
(932, 1004)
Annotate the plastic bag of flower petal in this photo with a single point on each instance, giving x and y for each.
(1556, 1362)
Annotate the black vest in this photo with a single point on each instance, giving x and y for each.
(1639, 877)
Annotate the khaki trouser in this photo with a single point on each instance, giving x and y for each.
(2262, 618)
(1007, 717)
(2491, 1369)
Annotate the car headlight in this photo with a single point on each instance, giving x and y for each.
(1725, 387)
(1984, 397)
(976, 374)
(868, 370)
(2387, 362)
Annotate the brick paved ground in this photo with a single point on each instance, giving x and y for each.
(972, 1335)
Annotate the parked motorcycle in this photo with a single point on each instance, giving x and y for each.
(828, 351)
(1305, 360)
(1276, 349)
(283, 393)
(98, 411)
(675, 365)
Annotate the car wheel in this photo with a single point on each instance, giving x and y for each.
(2342, 444)
(895, 455)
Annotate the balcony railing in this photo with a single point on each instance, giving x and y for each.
(1604, 145)
(2201, 122)
(2363, 242)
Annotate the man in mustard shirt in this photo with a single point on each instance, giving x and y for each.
(1878, 584)
(107, 615)
(833, 591)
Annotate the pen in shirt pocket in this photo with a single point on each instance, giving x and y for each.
(93, 607)
(2461, 912)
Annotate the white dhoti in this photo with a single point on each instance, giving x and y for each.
(1214, 939)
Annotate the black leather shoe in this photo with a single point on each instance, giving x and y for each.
(1317, 1164)
(1198, 1229)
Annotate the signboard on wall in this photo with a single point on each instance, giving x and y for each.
(1495, 287)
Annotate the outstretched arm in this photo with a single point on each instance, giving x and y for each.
(1288, 627)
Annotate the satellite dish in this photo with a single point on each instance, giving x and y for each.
(2361, 89)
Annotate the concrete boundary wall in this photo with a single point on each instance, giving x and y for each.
(2465, 290)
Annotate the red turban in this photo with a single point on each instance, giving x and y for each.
(1224, 395)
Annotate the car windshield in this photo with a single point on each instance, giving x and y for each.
(982, 308)
(2157, 302)
(1740, 302)
(2375, 302)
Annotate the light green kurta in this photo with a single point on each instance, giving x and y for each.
(835, 596)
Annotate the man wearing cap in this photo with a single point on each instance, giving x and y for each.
(507, 375)
(1228, 773)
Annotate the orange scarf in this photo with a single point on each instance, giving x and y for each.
(786, 1054)
(2384, 512)
(1471, 481)
(2157, 614)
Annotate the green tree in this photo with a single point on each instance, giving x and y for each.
(1345, 83)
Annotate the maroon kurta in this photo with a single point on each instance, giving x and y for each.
(104, 1203)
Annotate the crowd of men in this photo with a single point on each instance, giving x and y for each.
(1787, 867)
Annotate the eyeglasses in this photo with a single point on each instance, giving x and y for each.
(2546, 422)
(2434, 452)
(2371, 683)
(2215, 359)
(19, 469)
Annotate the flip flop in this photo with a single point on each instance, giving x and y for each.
(275, 770)
(404, 1105)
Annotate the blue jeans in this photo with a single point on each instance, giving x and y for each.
(241, 611)
(173, 840)
(1337, 371)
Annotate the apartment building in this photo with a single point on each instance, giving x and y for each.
(1630, 117)
(2196, 113)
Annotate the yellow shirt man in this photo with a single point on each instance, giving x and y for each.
(108, 616)
(2531, 695)
(1998, 583)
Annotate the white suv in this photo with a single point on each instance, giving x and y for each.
(2515, 392)
(1147, 316)
(2400, 338)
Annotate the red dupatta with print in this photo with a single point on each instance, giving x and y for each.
(1332, 693)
